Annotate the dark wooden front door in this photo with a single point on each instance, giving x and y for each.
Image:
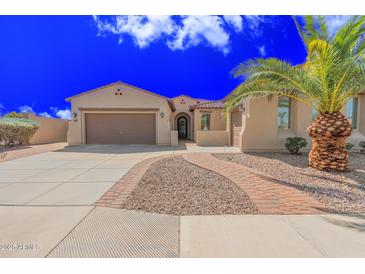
(182, 127)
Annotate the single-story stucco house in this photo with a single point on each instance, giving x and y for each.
(120, 113)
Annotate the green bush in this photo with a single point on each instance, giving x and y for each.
(362, 145)
(294, 144)
(14, 114)
(16, 131)
(349, 146)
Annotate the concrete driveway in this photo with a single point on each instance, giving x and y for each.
(62, 178)
(45, 196)
(74, 175)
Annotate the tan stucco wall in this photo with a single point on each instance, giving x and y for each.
(182, 104)
(260, 127)
(174, 138)
(211, 137)
(217, 135)
(51, 130)
(260, 130)
(217, 121)
(130, 99)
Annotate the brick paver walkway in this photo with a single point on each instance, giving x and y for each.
(117, 194)
(269, 195)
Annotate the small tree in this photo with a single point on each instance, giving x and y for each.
(333, 74)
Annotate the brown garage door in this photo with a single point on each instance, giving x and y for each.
(118, 128)
(236, 121)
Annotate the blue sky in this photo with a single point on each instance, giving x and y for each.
(44, 59)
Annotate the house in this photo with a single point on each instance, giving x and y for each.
(120, 113)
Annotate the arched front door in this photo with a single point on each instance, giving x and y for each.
(182, 127)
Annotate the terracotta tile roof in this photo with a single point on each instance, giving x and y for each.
(208, 104)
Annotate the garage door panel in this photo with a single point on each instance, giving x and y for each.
(120, 128)
(236, 121)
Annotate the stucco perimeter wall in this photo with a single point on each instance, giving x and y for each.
(131, 101)
(211, 137)
(51, 130)
(260, 126)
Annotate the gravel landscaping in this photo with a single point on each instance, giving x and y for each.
(174, 186)
(339, 192)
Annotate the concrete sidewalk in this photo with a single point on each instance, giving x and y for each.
(97, 232)
(307, 236)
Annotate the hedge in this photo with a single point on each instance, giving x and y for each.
(16, 131)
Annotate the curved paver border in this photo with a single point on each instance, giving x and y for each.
(269, 196)
(119, 192)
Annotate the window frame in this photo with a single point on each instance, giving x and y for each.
(206, 121)
(289, 113)
(355, 112)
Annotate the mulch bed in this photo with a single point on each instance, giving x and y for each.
(339, 192)
(174, 186)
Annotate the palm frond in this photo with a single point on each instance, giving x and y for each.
(333, 73)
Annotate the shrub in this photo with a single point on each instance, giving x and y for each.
(362, 146)
(349, 146)
(294, 144)
(16, 131)
(14, 114)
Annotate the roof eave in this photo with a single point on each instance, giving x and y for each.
(171, 104)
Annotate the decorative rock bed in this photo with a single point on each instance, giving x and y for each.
(339, 192)
(174, 186)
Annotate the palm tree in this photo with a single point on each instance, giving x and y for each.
(334, 73)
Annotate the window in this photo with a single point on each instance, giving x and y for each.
(284, 109)
(351, 108)
(205, 121)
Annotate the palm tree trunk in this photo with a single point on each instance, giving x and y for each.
(329, 132)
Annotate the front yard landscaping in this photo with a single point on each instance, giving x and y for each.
(339, 192)
(174, 186)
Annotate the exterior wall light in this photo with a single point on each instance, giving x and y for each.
(162, 114)
(74, 115)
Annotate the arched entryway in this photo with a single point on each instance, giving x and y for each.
(182, 127)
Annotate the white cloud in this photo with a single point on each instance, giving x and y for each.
(334, 22)
(45, 114)
(179, 34)
(62, 113)
(25, 109)
(254, 23)
(262, 50)
(199, 29)
(143, 29)
(235, 21)
(2, 109)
